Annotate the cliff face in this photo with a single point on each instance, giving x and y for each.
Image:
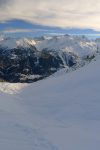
(17, 65)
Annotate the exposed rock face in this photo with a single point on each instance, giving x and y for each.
(18, 64)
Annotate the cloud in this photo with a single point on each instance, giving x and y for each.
(10, 31)
(3, 2)
(61, 13)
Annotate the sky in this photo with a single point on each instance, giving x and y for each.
(43, 16)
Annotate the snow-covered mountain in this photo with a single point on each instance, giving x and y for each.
(58, 113)
(81, 46)
(28, 60)
(11, 43)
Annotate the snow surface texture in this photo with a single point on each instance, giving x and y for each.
(58, 113)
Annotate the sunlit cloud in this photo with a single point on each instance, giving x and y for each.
(60, 13)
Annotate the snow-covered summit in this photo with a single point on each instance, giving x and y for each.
(81, 46)
(11, 43)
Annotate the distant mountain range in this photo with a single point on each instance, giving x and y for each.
(29, 60)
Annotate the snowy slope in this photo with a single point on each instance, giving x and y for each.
(58, 113)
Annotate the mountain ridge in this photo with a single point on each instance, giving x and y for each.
(29, 60)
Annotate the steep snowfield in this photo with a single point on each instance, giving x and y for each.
(58, 113)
